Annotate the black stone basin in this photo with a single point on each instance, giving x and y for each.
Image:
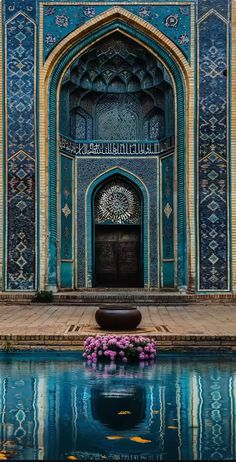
(115, 317)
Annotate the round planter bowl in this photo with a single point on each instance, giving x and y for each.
(114, 317)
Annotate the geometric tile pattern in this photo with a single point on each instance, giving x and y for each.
(20, 142)
(20, 85)
(21, 223)
(221, 6)
(12, 7)
(146, 170)
(172, 20)
(66, 208)
(167, 208)
(167, 221)
(213, 153)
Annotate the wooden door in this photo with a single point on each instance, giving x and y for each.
(117, 256)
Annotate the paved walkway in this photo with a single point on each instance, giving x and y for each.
(65, 327)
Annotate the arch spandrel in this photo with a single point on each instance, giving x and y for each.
(100, 21)
(135, 181)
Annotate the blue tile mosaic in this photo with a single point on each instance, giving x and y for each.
(21, 223)
(146, 170)
(20, 85)
(14, 6)
(213, 154)
(20, 23)
(172, 20)
(20, 122)
(221, 6)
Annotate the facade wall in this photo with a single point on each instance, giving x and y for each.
(200, 37)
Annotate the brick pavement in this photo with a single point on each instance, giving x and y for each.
(64, 327)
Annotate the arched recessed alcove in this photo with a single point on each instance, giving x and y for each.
(148, 158)
(117, 90)
(117, 234)
(118, 99)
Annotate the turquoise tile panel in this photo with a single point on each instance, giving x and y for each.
(167, 208)
(168, 274)
(66, 208)
(66, 275)
(172, 20)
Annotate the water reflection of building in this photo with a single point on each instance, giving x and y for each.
(54, 412)
(22, 416)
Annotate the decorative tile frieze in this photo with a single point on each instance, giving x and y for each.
(20, 85)
(21, 223)
(221, 6)
(213, 182)
(12, 7)
(20, 96)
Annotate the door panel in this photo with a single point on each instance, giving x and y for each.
(118, 256)
(106, 262)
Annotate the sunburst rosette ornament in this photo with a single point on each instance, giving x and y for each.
(118, 203)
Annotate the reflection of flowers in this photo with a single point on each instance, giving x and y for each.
(119, 348)
(89, 11)
(99, 369)
(62, 20)
(50, 39)
(183, 39)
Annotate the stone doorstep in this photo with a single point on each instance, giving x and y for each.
(100, 297)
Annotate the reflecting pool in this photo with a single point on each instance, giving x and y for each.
(55, 405)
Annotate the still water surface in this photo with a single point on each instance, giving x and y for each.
(54, 406)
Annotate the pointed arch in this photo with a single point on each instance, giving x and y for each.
(69, 49)
(115, 13)
(99, 180)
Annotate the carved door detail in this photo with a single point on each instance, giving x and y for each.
(117, 256)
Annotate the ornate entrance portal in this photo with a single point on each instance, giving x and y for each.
(117, 114)
(118, 254)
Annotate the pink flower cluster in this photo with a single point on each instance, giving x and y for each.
(119, 348)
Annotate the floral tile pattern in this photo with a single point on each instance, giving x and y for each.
(171, 20)
(213, 151)
(20, 142)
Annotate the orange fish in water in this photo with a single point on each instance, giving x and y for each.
(72, 458)
(9, 453)
(124, 413)
(138, 439)
(115, 437)
(171, 427)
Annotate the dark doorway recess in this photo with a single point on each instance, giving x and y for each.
(118, 256)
